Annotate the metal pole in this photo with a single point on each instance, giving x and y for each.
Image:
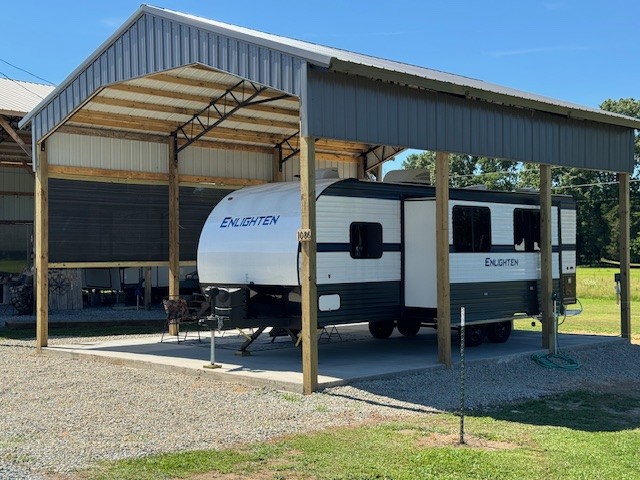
(211, 293)
(462, 406)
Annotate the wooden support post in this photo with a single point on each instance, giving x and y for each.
(546, 262)
(442, 255)
(308, 277)
(147, 288)
(42, 247)
(361, 167)
(625, 259)
(277, 175)
(174, 234)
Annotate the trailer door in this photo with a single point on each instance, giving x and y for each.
(419, 238)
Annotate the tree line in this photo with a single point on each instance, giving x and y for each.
(595, 192)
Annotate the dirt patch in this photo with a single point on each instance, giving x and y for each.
(453, 440)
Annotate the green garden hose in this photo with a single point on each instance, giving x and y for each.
(557, 360)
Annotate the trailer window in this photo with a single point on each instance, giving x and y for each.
(526, 230)
(471, 229)
(365, 240)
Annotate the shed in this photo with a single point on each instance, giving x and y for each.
(16, 174)
(173, 109)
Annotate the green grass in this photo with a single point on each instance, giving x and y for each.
(601, 313)
(82, 331)
(12, 266)
(572, 436)
(599, 283)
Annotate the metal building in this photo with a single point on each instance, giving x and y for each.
(16, 173)
(173, 109)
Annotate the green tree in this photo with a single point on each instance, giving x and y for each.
(466, 170)
(595, 192)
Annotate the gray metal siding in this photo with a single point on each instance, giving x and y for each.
(16, 180)
(355, 108)
(153, 44)
(15, 208)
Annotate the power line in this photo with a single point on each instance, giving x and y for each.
(27, 72)
(21, 85)
(597, 184)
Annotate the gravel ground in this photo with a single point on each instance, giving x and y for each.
(60, 414)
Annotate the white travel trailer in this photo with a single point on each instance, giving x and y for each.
(376, 258)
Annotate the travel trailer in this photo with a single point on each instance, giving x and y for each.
(376, 258)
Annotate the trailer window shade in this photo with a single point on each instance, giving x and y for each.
(471, 229)
(365, 240)
(526, 230)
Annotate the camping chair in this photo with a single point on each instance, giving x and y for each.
(178, 314)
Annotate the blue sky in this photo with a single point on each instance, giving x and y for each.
(579, 51)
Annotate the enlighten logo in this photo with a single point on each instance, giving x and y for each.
(500, 262)
(228, 222)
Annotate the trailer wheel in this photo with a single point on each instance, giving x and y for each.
(499, 332)
(474, 335)
(381, 329)
(409, 328)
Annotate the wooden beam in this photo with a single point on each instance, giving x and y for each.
(442, 256)
(192, 82)
(41, 230)
(276, 170)
(231, 134)
(6, 163)
(147, 288)
(546, 261)
(110, 118)
(174, 225)
(220, 181)
(119, 134)
(124, 264)
(362, 160)
(128, 176)
(159, 107)
(308, 275)
(4, 123)
(625, 258)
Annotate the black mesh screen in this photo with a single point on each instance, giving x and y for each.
(109, 222)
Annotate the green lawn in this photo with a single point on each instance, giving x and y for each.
(598, 436)
(12, 266)
(599, 283)
(601, 313)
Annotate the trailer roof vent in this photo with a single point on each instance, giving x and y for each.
(477, 186)
(528, 190)
(327, 173)
(408, 175)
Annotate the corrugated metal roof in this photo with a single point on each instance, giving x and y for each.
(351, 62)
(17, 97)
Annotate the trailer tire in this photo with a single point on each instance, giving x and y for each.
(499, 332)
(474, 335)
(382, 329)
(409, 328)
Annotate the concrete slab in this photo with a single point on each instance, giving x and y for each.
(348, 356)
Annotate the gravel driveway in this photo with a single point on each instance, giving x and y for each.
(60, 414)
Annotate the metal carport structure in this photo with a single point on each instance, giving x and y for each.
(179, 101)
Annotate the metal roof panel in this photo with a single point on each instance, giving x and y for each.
(18, 97)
